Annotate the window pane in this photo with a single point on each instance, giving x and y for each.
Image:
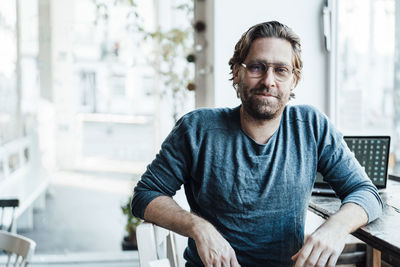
(365, 65)
(365, 74)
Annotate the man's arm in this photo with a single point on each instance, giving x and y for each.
(324, 246)
(213, 249)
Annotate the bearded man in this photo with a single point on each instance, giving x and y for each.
(248, 171)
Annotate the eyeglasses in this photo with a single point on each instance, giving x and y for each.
(282, 72)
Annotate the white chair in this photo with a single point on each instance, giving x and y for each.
(158, 246)
(19, 249)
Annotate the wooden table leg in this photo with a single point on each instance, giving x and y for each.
(373, 257)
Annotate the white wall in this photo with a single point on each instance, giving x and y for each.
(56, 115)
(234, 17)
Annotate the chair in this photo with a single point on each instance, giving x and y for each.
(158, 246)
(5, 205)
(19, 249)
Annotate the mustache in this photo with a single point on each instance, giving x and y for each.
(263, 90)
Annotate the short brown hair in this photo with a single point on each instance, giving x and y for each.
(265, 30)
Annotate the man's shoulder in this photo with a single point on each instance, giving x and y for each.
(306, 113)
(209, 117)
(200, 121)
(302, 109)
(212, 111)
(309, 120)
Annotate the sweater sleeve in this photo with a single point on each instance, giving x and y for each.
(345, 175)
(168, 171)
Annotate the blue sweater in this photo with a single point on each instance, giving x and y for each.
(255, 195)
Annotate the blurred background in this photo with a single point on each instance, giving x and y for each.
(90, 88)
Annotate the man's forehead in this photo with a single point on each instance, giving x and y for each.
(271, 50)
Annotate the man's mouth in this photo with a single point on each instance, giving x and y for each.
(266, 94)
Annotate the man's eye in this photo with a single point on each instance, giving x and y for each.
(256, 68)
(281, 70)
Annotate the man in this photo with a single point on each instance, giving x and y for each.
(248, 172)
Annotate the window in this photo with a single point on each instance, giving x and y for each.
(8, 55)
(365, 67)
(87, 86)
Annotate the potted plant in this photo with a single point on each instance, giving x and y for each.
(129, 242)
(172, 57)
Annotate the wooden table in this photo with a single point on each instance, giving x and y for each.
(382, 235)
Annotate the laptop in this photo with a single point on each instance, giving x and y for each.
(372, 152)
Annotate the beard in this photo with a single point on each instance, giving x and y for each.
(261, 108)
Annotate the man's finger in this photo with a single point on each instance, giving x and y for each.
(333, 259)
(234, 262)
(294, 257)
(302, 255)
(216, 262)
(225, 259)
(323, 259)
(313, 258)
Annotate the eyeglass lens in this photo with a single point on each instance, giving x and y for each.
(281, 72)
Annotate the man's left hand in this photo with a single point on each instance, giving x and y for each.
(322, 248)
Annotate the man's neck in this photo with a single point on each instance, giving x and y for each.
(260, 130)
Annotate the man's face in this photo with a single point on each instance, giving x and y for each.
(265, 98)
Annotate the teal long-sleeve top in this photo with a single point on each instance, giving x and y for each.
(256, 195)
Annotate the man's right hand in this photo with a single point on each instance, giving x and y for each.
(213, 249)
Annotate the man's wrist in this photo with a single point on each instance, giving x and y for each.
(199, 227)
(348, 219)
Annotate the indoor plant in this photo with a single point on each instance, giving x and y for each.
(129, 242)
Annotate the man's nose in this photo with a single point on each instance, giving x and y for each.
(269, 78)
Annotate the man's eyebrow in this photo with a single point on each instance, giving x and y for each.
(266, 62)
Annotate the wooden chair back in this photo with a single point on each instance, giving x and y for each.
(18, 248)
(157, 244)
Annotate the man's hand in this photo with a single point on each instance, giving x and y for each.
(213, 249)
(322, 248)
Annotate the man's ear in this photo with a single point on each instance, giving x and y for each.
(235, 74)
(294, 83)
